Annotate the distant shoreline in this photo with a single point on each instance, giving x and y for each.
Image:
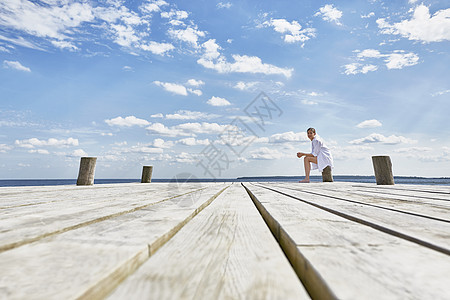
(316, 178)
(367, 176)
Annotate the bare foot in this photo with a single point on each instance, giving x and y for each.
(304, 181)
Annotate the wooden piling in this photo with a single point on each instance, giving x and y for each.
(326, 175)
(87, 169)
(147, 174)
(383, 170)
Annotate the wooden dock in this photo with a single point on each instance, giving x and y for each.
(225, 241)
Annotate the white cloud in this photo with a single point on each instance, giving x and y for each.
(185, 157)
(157, 48)
(161, 129)
(212, 59)
(160, 157)
(120, 144)
(369, 53)
(60, 23)
(241, 85)
(265, 153)
(143, 149)
(189, 35)
(351, 152)
(397, 59)
(195, 83)
(178, 89)
(355, 68)
(127, 68)
(39, 151)
(224, 5)
(425, 154)
(158, 115)
(52, 21)
(190, 115)
(65, 45)
(160, 143)
(152, 6)
(369, 15)
(21, 42)
(330, 13)
(4, 148)
(292, 30)
(401, 60)
(193, 141)
(217, 101)
(3, 49)
(201, 128)
(172, 87)
(440, 93)
(309, 102)
(379, 138)
(413, 149)
(369, 124)
(127, 122)
(211, 50)
(79, 152)
(195, 92)
(125, 35)
(422, 26)
(288, 137)
(368, 68)
(52, 142)
(8, 64)
(175, 14)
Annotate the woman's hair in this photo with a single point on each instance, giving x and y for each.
(311, 129)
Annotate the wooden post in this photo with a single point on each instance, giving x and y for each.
(326, 175)
(147, 174)
(87, 169)
(383, 170)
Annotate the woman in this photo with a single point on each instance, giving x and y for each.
(320, 156)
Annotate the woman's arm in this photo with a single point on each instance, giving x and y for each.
(300, 154)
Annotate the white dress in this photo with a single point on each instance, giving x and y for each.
(323, 154)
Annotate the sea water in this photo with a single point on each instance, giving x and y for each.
(345, 178)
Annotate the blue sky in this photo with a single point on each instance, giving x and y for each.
(160, 83)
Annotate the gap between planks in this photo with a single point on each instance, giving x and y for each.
(368, 204)
(13, 245)
(313, 282)
(367, 223)
(109, 283)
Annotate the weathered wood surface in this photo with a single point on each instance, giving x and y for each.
(350, 259)
(226, 252)
(403, 220)
(89, 261)
(67, 209)
(209, 240)
(382, 167)
(407, 204)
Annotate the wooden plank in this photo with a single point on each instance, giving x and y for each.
(15, 197)
(226, 252)
(430, 189)
(31, 223)
(352, 261)
(427, 208)
(89, 262)
(410, 194)
(422, 192)
(436, 235)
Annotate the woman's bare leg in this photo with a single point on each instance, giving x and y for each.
(307, 161)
